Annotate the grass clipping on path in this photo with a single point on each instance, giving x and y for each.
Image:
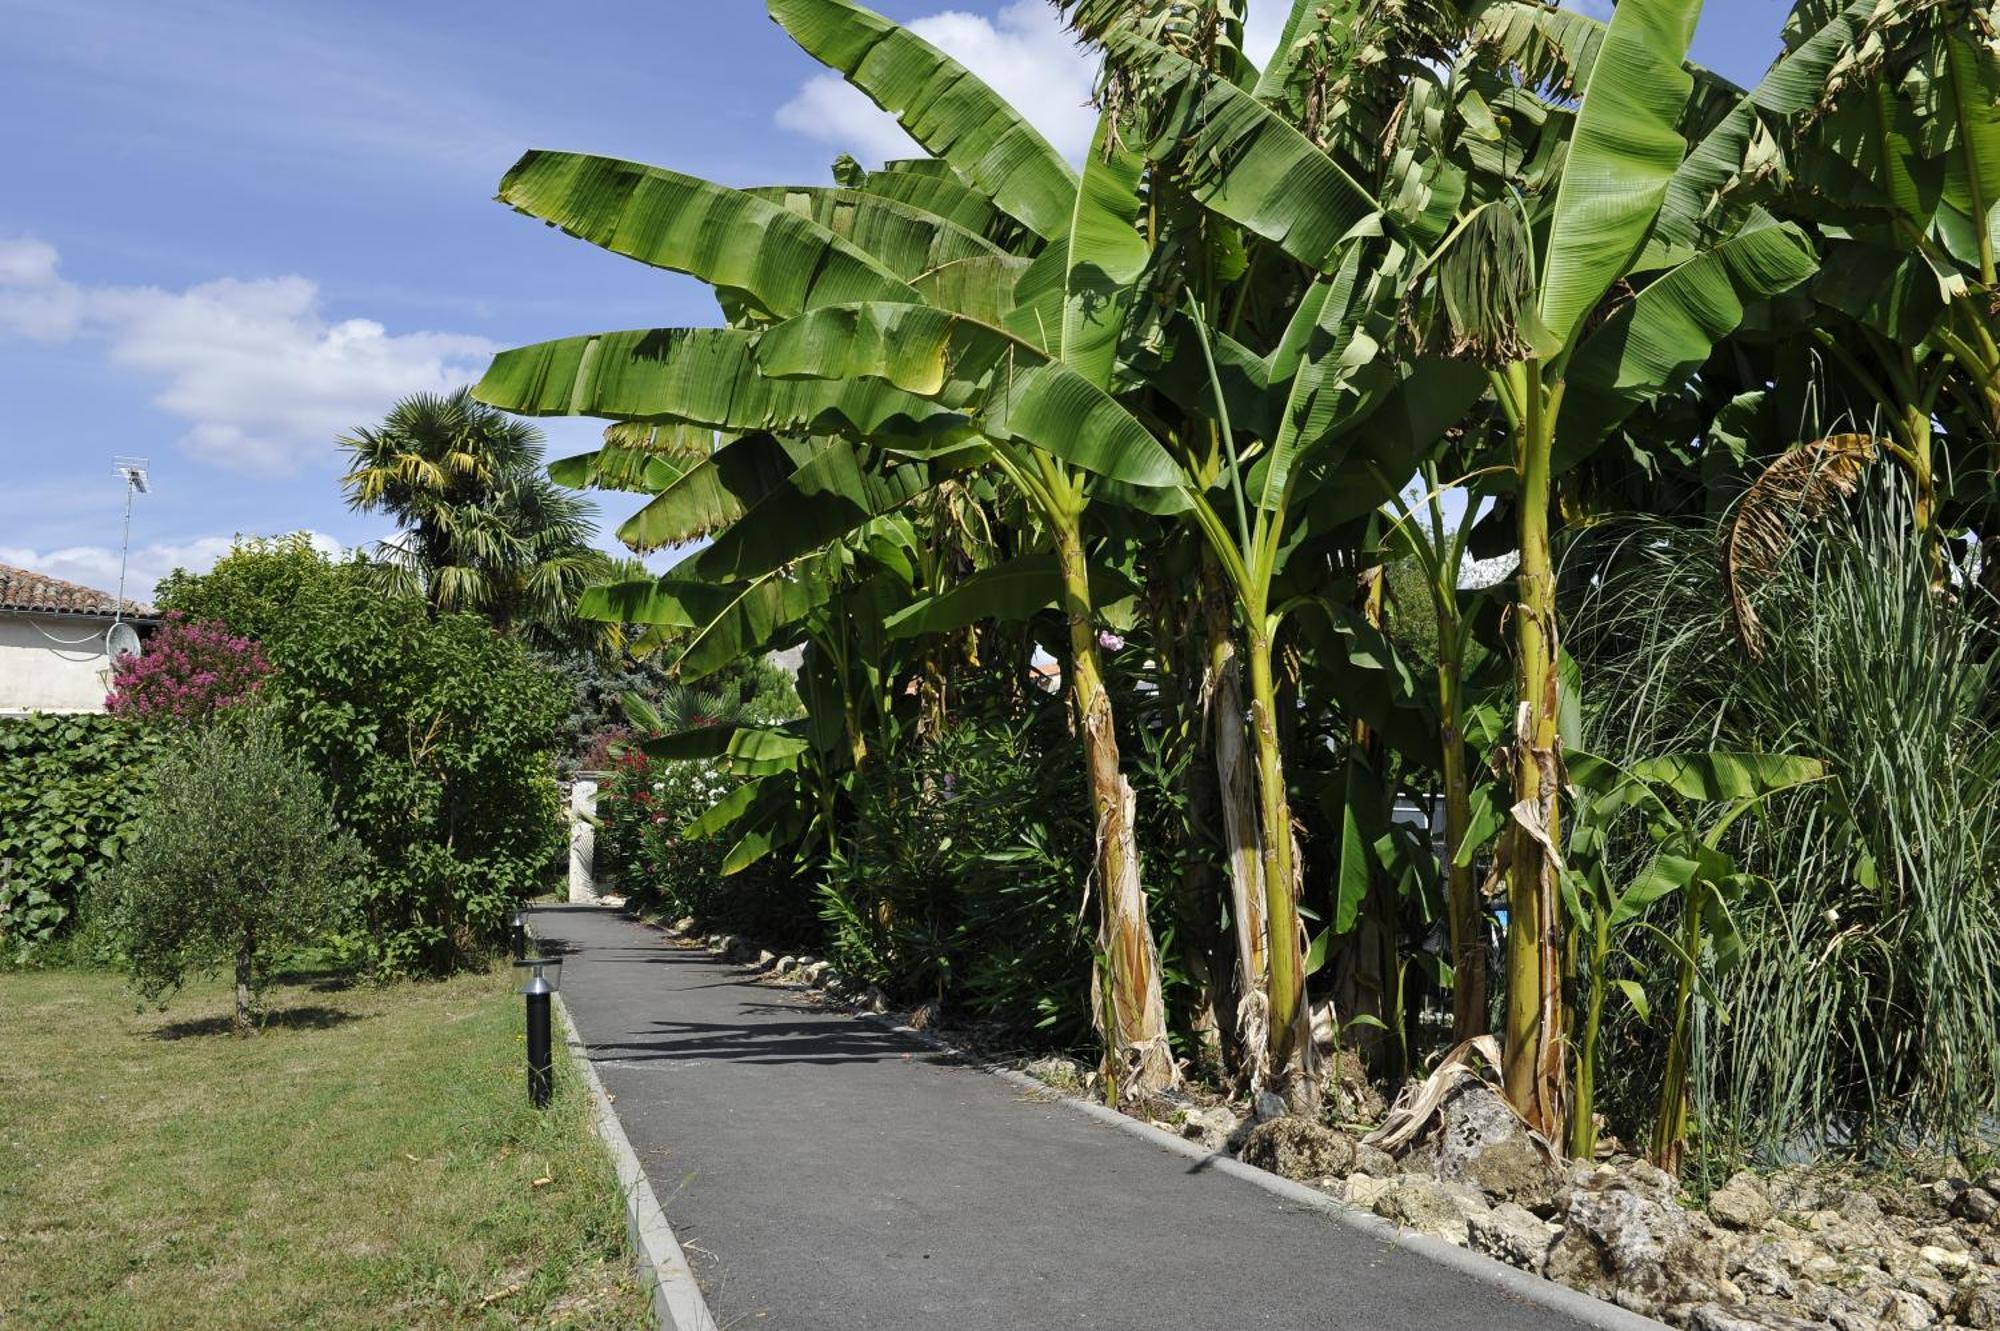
(369, 1160)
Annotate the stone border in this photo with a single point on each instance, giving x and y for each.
(678, 1304)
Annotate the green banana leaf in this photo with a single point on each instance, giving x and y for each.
(1018, 394)
(1106, 257)
(1794, 85)
(701, 376)
(832, 494)
(905, 240)
(1654, 342)
(1623, 151)
(1715, 777)
(709, 497)
(1015, 590)
(940, 104)
(1242, 160)
(942, 192)
(726, 237)
(722, 623)
(614, 467)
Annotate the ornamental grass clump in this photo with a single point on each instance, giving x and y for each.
(234, 858)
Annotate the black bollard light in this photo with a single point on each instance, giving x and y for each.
(520, 934)
(541, 1067)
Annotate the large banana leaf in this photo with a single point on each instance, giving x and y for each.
(724, 623)
(1655, 341)
(751, 750)
(941, 192)
(1348, 316)
(1004, 593)
(616, 467)
(718, 492)
(941, 105)
(1624, 149)
(834, 493)
(702, 376)
(981, 288)
(1972, 172)
(1716, 777)
(1244, 161)
(1018, 394)
(1794, 85)
(905, 240)
(727, 238)
(1106, 254)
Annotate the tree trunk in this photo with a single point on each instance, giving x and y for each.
(1468, 934)
(1533, 1058)
(245, 956)
(1237, 784)
(1137, 1059)
(1204, 956)
(1289, 1042)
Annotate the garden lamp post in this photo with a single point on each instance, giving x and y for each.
(538, 992)
(520, 933)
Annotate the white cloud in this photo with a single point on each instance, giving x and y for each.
(263, 379)
(97, 565)
(1023, 52)
(1262, 27)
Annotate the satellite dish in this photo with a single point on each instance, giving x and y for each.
(122, 640)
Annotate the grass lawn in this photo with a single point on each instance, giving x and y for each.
(369, 1160)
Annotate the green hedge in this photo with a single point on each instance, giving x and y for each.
(68, 785)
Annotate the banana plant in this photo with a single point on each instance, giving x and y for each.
(816, 457)
(1581, 314)
(1674, 795)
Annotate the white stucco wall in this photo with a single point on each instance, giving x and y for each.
(53, 663)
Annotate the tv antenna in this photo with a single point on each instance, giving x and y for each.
(137, 482)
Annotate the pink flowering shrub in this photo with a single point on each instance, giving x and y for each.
(190, 670)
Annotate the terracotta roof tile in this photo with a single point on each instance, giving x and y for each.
(24, 589)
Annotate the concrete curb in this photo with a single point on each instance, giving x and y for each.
(1510, 1280)
(678, 1304)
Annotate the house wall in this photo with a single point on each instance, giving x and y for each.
(53, 663)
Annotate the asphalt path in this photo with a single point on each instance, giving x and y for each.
(822, 1172)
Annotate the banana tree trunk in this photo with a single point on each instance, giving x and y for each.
(1468, 935)
(1533, 1054)
(1289, 1042)
(1137, 1059)
(1237, 783)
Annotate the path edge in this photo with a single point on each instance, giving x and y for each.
(1523, 1285)
(678, 1304)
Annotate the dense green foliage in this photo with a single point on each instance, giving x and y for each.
(68, 789)
(233, 857)
(1220, 423)
(433, 735)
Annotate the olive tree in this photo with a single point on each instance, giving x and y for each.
(234, 854)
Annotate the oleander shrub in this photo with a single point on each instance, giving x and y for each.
(189, 671)
(68, 789)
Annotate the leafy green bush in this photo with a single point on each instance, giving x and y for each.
(68, 786)
(964, 876)
(433, 735)
(232, 855)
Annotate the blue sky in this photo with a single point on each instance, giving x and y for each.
(231, 230)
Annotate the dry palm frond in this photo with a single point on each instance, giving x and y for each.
(1793, 491)
(683, 443)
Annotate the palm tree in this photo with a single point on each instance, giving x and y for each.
(482, 529)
